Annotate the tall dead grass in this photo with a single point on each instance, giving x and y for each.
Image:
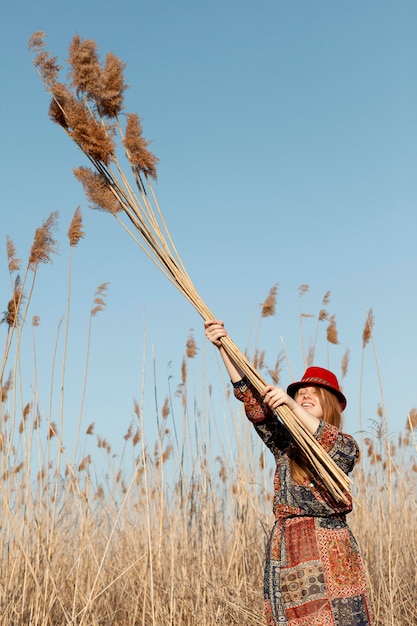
(174, 533)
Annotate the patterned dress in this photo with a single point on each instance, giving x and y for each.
(313, 574)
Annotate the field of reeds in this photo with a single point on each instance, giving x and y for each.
(173, 531)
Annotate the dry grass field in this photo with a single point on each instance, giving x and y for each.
(174, 532)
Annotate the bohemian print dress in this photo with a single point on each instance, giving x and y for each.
(313, 574)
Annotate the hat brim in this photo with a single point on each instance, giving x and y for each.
(294, 387)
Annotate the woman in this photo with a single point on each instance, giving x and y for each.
(313, 574)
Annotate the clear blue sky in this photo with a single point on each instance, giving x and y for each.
(287, 138)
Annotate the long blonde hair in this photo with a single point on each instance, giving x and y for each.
(301, 470)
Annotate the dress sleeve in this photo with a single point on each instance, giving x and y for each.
(272, 432)
(342, 448)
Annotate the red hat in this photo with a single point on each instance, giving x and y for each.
(319, 377)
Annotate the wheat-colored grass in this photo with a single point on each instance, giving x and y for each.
(173, 533)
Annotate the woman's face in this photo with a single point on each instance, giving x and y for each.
(309, 399)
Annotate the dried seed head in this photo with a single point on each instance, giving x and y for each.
(326, 298)
(165, 409)
(261, 360)
(323, 315)
(310, 356)
(97, 190)
(166, 453)
(94, 138)
(52, 430)
(99, 495)
(75, 231)
(276, 372)
(90, 429)
(61, 96)
(44, 244)
(5, 387)
(26, 411)
(411, 420)
(113, 86)
(270, 302)
(184, 372)
(36, 320)
(84, 463)
(11, 317)
(99, 303)
(191, 347)
(141, 159)
(136, 437)
(332, 336)
(85, 72)
(274, 376)
(222, 469)
(45, 64)
(14, 262)
(367, 331)
(345, 362)
(303, 289)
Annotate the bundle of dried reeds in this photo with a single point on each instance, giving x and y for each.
(89, 109)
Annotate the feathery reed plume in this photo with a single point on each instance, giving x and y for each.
(99, 302)
(306, 315)
(128, 434)
(303, 289)
(141, 158)
(275, 373)
(80, 109)
(345, 362)
(310, 355)
(11, 317)
(85, 72)
(332, 336)
(411, 420)
(136, 409)
(36, 320)
(85, 462)
(45, 64)
(270, 303)
(75, 230)
(112, 87)
(90, 429)
(6, 386)
(191, 347)
(136, 437)
(165, 409)
(52, 430)
(14, 262)
(367, 331)
(44, 245)
(98, 191)
(326, 298)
